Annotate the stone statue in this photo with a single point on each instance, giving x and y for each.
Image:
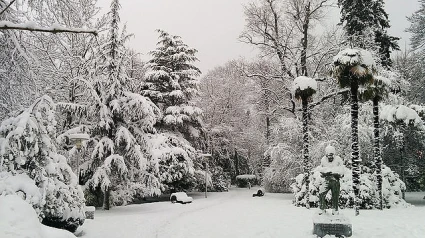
(332, 169)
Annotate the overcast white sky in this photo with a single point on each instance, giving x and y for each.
(213, 26)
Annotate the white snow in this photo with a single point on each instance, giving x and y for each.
(355, 57)
(19, 220)
(237, 214)
(246, 176)
(303, 83)
(19, 183)
(400, 113)
(79, 136)
(182, 197)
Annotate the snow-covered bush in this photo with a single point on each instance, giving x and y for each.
(219, 179)
(243, 180)
(29, 158)
(18, 219)
(392, 187)
(175, 158)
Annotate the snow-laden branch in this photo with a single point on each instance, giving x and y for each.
(8, 5)
(31, 26)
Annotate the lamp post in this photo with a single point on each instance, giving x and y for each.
(78, 139)
(206, 156)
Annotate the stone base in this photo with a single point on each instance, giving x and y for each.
(327, 224)
(90, 212)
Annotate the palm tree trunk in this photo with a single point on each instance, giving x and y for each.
(306, 160)
(377, 150)
(355, 158)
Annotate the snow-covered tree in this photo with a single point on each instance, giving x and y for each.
(353, 68)
(172, 85)
(303, 89)
(376, 92)
(234, 116)
(29, 159)
(417, 27)
(118, 122)
(365, 23)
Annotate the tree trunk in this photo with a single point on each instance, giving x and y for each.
(106, 195)
(304, 41)
(355, 158)
(377, 149)
(306, 160)
(236, 163)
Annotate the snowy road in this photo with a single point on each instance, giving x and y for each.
(237, 214)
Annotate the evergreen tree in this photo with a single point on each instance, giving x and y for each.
(28, 157)
(171, 84)
(363, 18)
(120, 120)
(417, 27)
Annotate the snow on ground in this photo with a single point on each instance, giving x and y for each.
(237, 214)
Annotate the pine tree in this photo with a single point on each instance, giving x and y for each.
(383, 40)
(363, 17)
(171, 84)
(417, 27)
(120, 121)
(28, 152)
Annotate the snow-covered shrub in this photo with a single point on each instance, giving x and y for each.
(243, 180)
(21, 184)
(28, 148)
(175, 158)
(219, 179)
(18, 219)
(392, 187)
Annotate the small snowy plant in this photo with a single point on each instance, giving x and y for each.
(28, 158)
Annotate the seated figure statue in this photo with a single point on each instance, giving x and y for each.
(332, 169)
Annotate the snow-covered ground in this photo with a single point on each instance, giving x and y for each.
(237, 214)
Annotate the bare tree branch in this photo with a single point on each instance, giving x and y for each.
(328, 96)
(10, 4)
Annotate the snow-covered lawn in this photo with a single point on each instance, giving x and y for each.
(237, 214)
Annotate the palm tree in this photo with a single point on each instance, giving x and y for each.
(376, 92)
(304, 88)
(353, 68)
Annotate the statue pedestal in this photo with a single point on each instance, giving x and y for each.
(327, 224)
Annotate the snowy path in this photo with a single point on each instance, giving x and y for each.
(237, 214)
